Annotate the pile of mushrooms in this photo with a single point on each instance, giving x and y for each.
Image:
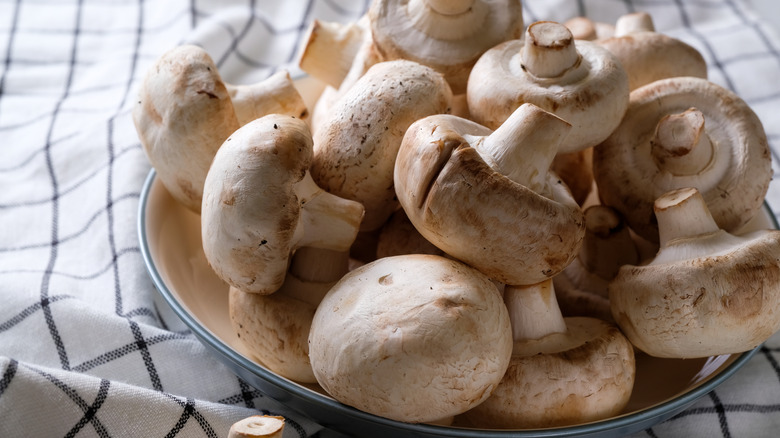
(480, 222)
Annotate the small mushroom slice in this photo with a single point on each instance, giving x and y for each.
(260, 204)
(183, 114)
(355, 148)
(275, 328)
(648, 56)
(579, 81)
(446, 35)
(487, 197)
(413, 338)
(274, 95)
(258, 426)
(684, 132)
(563, 371)
(706, 293)
(582, 287)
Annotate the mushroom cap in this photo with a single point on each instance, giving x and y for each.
(476, 214)
(355, 147)
(450, 43)
(182, 116)
(592, 95)
(250, 210)
(412, 338)
(720, 303)
(275, 328)
(735, 180)
(586, 374)
(650, 56)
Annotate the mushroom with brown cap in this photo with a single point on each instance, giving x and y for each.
(413, 338)
(579, 81)
(487, 197)
(684, 132)
(355, 147)
(707, 292)
(260, 204)
(582, 287)
(563, 371)
(648, 56)
(275, 328)
(446, 35)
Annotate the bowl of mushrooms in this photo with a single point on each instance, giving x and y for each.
(535, 235)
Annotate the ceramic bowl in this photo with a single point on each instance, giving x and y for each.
(171, 246)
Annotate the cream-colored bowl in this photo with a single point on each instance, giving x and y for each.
(171, 246)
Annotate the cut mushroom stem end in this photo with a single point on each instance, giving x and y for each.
(632, 23)
(680, 144)
(549, 50)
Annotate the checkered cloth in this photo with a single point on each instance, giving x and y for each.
(87, 347)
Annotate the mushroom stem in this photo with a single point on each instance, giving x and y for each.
(448, 20)
(258, 426)
(636, 22)
(319, 265)
(549, 50)
(683, 213)
(274, 95)
(524, 146)
(330, 50)
(327, 221)
(680, 144)
(533, 311)
(607, 244)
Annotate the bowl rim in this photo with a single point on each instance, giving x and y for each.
(624, 423)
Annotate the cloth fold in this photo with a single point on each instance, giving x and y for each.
(87, 346)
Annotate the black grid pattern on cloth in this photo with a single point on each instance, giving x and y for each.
(79, 318)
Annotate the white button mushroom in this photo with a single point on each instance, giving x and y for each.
(446, 35)
(582, 287)
(275, 328)
(706, 293)
(185, 111)
(648, 56)
(260, 204)
(564, 371)
(183, 115)
(356, 146)
(684, 132)
(584, 28)
(487, 197)
(581, 82)
(413, 338)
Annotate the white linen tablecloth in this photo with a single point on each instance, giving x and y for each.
(87, 347)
